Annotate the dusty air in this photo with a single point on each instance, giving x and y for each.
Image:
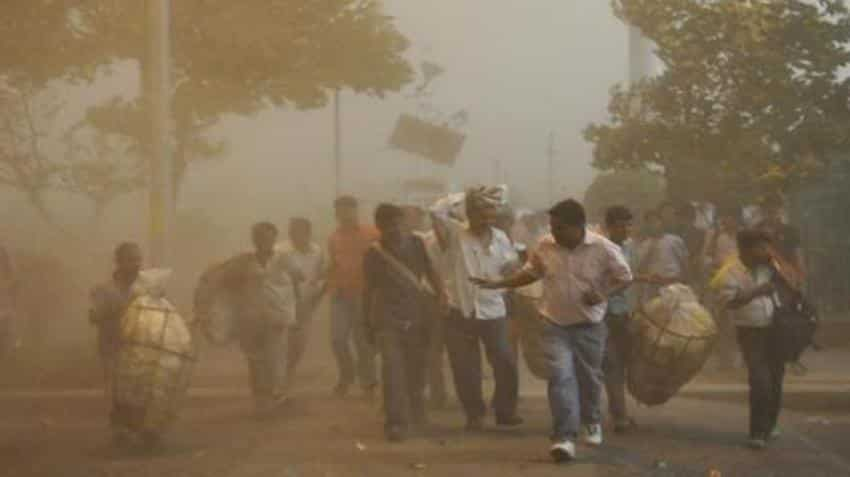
(430, 238)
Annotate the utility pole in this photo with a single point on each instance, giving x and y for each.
(157, 76)
(337, 146)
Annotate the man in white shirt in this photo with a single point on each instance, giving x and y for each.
(662, 258)
(478, 249)
(311, 262)
(746, 289)
(580, 270)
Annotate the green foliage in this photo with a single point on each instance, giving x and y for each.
(749, 89)
(638, 190)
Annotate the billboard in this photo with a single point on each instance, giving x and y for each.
(439, 144)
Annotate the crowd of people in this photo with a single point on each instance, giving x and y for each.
(419, 284)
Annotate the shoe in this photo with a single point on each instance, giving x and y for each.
(563, 451)
(623, 426)
(757, 443)
(511, 421)
(592, 435)
(395, 434)
(474, 424)
(775, 434)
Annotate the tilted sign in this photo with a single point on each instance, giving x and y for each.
(439, 144)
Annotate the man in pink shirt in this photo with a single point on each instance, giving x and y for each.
(347, 248)
(579, 270)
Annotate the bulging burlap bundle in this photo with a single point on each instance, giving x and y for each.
(672, 337)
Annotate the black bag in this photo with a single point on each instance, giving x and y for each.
(794, 326)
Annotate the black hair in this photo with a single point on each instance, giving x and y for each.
(345, 201)
(124, 248)
(263, 227)
(569, 212)
(301, 222)
(385, 214)
(749, 238)
(617, 213)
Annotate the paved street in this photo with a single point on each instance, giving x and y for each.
(63, 433)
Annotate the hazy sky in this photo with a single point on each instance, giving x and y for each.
(521, 69)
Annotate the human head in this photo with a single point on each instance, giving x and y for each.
(754, 247)
(568, 222)
(668, 214)
(481, 213)
(128, 260)
(505, 220)
(390, 220)
(652, 223)
(347, 211)
(264, 236)
(618, 222)
(686, 214)
(727, 218)
(773, 208)
(300, 232)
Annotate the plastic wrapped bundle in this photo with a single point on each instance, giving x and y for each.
(154, 364)
(673, 336)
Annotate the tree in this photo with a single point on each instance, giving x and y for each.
(241, 57)
(750, 90)
(638, 190)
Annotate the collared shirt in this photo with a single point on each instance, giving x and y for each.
(595, 265)
(619, 303)
(393, 294)
(440, 261)
(735, 279)
(347, 248)
(469, 257)
(265, 292)
(109, 302)
(312, 266)
(665, 256)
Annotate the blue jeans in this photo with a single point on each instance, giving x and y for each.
(574, 354)
(347, 325)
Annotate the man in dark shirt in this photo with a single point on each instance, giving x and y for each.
(395, 311)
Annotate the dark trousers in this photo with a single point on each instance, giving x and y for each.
(463, 339)
(404, 356)
(436, 358)
(264, 349)
(615, 366)
(766, 373)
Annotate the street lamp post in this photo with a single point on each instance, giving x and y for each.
(157, 75)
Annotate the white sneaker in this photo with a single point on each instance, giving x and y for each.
(592, 435)
(563, 451)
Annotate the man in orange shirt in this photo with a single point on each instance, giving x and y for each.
(348, 246)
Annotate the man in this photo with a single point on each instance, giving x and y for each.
(263, 283)
(662, 257)
(109, 302)
(579, 270)
(310, 261)
(396, 309)
(8, 292)
(618, 224)
(478, 249)
(348, 246)
(785, 238)
(745, 287)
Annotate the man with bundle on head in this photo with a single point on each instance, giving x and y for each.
(474, 247)
(580, 270)
(396, 310)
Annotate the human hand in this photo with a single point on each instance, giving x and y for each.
(593, 298)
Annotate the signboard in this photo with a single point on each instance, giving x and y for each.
(439, 144)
